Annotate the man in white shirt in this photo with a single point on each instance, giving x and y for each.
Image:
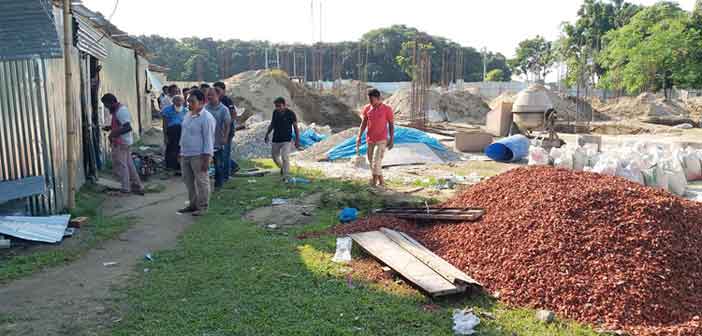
(120, 139)
(196, 150)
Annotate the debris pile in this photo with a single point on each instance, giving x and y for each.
(594, 248)
(443, 106)
(254, 91)
(249, 143)
(646, 105)
(352, 93)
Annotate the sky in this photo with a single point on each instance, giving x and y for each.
(498, 25)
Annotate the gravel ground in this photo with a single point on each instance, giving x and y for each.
(594, 248)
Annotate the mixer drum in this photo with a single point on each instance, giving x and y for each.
(530, 106)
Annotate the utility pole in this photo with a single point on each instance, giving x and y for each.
(266, 58)
(484, 51)
(320, 21)
(294, 59)
(277, 58)
(70, 123)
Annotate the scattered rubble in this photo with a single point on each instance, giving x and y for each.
(249, 143)
(285, 214)
(443, 106)
(602, 250)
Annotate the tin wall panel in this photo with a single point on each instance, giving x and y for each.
(23, 122)
(118, 77)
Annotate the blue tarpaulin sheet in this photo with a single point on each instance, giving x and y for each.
(309, 137)
(347, 148)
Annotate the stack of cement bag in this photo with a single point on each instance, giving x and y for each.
(649, 164)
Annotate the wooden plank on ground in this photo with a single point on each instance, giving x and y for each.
(414, 270)
(455, 214)
(21, 188)
(429, 258)
(109, 184)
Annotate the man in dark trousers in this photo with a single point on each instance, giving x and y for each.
(229, 103)
(283, 123)
(173, 117)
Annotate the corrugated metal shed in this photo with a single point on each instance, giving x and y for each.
(33, 124)
(27, 30)
(89, 39)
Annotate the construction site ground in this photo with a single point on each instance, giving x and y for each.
(242, 270)
(224, 274)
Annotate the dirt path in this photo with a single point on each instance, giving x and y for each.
(75, 299)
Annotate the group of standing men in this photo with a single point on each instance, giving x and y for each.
(204, 130)
(197, 134)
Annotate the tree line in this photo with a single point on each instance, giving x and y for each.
(621, 46)
(373, 58)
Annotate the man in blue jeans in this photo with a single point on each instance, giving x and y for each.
(229, 103)
(221, 137)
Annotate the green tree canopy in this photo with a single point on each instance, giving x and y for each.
(657, 45)
(583, 40)
(496, 75)
(535, 56)
(195, 58)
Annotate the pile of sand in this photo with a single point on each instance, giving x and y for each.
(255, 91)
(352, 93)
(505, 97)
(443, 106)
(645, 106)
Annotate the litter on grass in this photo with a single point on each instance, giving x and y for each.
(343, 250)
(279, 201)
(464, 322)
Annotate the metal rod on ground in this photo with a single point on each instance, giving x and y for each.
(70, 124)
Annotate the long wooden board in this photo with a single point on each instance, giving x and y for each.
(451, 214)
(429, 258)
(381, 247)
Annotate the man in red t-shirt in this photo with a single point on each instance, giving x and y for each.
(378, 120)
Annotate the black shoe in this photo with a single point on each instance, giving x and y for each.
(187, 209)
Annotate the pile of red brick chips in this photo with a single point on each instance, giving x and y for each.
(593, 248)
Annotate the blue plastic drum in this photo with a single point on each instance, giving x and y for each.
(509, 149)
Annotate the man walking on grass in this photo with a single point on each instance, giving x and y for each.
(196, 149)
(221, 136)
(378, 121)
(283, 123)
(120, 139)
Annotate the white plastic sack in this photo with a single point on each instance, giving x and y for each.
(606, 165)
(580, 159)
(655, 177)
(631, 172)
(677, 183)
(464, 322)
(562, 158)
(538, 156)
(690, 162)
(343, 250)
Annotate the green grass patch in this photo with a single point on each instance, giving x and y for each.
(229, 276)
(25, 260)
